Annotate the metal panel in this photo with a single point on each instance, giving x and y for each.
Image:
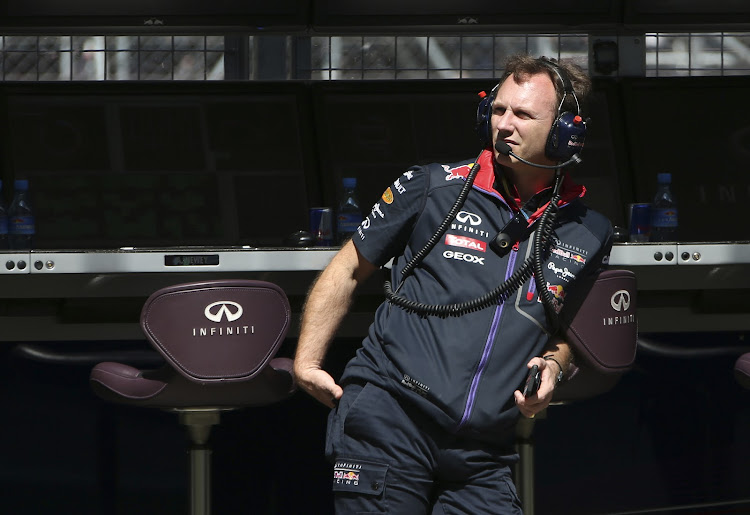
(644, 254)
(178, 260)
(713, 254)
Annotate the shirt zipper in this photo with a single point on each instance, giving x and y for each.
(531, 293)
(487, 348)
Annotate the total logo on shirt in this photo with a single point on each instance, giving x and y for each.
(465, 242)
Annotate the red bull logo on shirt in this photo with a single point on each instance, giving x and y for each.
(558, 296)
(346, 476)
(556, 290)
(568, 255)
(458, 172)
(346, 473)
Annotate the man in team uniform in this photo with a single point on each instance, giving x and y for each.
(423, 418)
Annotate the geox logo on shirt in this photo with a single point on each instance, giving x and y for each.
(462, 256)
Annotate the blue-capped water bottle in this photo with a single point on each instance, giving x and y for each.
(664, 220)
(21, 224)
(349, 214)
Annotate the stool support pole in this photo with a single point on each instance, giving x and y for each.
(198, 423)
(200, 480)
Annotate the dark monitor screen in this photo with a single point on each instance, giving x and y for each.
(661, 14)
(154, 14)
(697, 129)
(375, 130)
(468, 14)
(143, 166)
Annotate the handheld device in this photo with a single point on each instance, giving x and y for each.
(533, 381)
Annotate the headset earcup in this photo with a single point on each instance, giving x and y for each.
(566, 137)
(553, 140)
(484, 115)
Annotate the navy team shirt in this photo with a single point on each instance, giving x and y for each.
(462, 371)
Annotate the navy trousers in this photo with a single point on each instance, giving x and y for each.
(391, 459)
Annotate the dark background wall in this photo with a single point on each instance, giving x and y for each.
(113, 165)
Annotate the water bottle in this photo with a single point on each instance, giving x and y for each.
(664, 223)
(349, 214)
(21, 227)
(4, 245)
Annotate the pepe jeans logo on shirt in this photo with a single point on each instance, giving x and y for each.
(561, 273)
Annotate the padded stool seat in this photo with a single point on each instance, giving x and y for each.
(219, 340)
(166, 388)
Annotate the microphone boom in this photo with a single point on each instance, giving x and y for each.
(504, 149)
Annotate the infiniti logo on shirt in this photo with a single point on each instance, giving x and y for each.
(464, 216)
(467, 222)
(231, 310)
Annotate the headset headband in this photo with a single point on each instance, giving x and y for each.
(564, 80)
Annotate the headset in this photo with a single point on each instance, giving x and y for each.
(568, 132)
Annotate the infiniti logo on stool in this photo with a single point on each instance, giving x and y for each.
(225, 310)
(620, 300)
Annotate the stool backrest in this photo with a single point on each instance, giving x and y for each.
(217, 331)
(604, 328)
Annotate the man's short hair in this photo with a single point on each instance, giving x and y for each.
(521, 66)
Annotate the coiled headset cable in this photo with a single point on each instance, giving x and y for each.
(533, 265)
